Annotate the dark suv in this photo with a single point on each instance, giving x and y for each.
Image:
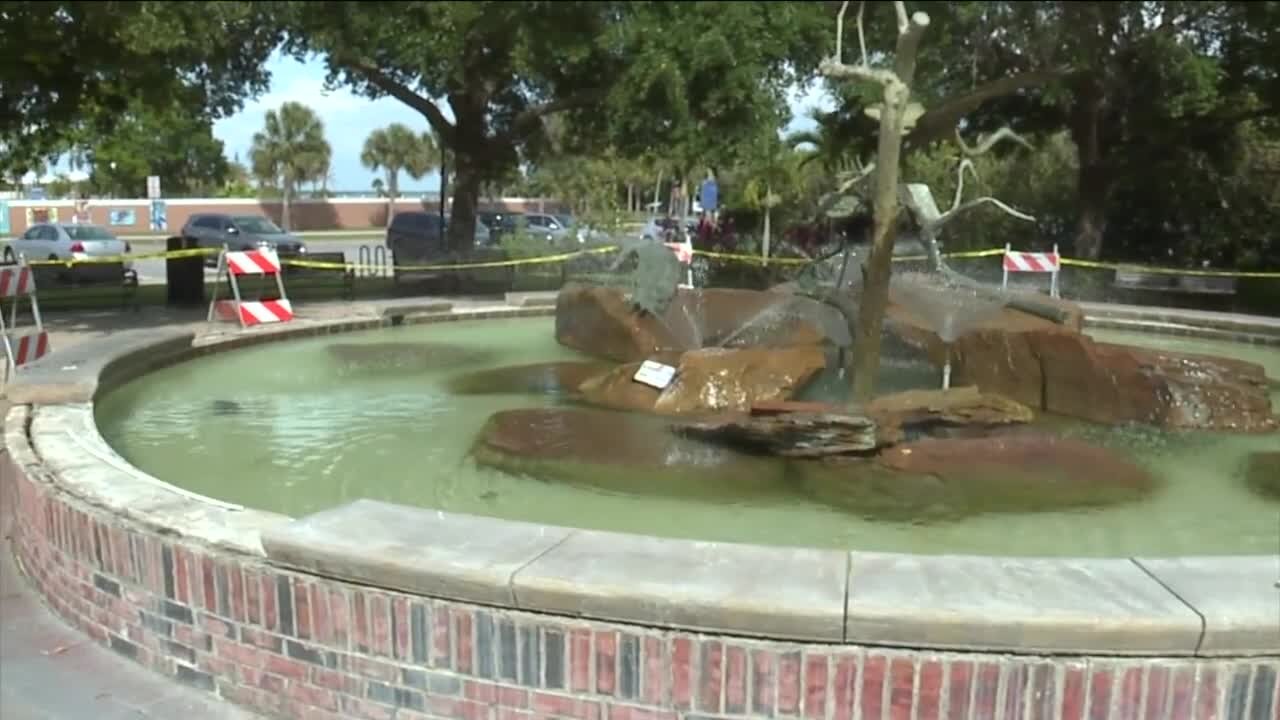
(240, 232)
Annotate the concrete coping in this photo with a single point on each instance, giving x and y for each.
(1223, 606)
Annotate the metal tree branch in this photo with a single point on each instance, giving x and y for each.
(985, 144)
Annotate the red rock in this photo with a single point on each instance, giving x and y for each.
(712, 380)
(964, 409)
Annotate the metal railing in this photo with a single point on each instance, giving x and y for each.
(373, 261)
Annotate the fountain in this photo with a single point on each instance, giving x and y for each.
(949, 310)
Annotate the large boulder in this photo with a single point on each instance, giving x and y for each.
(622, 452)
(711, 380)
(600, 322)
(955, 411)
(1055, 368)
(937, 479)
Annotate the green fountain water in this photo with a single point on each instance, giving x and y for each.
(302, 426)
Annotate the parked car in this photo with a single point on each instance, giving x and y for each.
(239, 233)
(68, 241)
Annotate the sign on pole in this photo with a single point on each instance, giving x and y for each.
(153, 187)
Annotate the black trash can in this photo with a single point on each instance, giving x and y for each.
(184, 275)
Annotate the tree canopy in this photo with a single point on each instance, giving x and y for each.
(290, 150)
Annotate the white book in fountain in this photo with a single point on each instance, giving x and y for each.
(655, 374)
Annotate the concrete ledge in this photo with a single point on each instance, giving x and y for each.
(74, 375)
(1037, 605)
(460, 557)
(1238, 597)
(718, 587)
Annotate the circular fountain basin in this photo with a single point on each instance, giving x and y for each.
(303, 528)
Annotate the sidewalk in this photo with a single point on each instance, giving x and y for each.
(53, 672)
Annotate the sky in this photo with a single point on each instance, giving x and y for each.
(348, 120)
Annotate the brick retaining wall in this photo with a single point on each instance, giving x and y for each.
(298, 646)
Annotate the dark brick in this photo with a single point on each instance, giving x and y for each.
(159, 626)
(629, 667)
(508, 653)
(419, 633)
(179, 613)
(484, 645)
(138, 559)
(410, 699)
(284, 605)
(438, 684)
(166, 563)
(124, 647)
(180, 651)
(553, 643)
(222, 582)
(1264, 687)
(97, 545)
(416, 679)
(379, 692)
(530, 656)
(298, 651)
(106, 585)
(194, 678)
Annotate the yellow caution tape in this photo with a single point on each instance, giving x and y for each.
(105, 259)
(804, 261)
(541, 260)
(1166, 271)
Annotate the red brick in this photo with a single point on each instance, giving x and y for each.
(843, 683)
(735, 680)
(815, 686)
(627, 712)
(366, 710)
(655, 664)
(457, 708)
(764, 683)
(1073, 693)
(262, 639)
(875, 673)
(340, 618)
(1207, 694)
(271, 683)
(360, 622)
(441, 653)
(155, 566)
(562, 706)
(512, 697)
(606, 662)
(579, 660)
(209, 596)
(986, 696)
(215, 627)
(270, 615)
(1157, 693)
(237, 653)
(400, 613)
(373, 669)
(216, 666)
(502, 713)
(1131, 692)
(463, 642)
(480, 691)
(334, 680)
(302, 609)
(285, 667)
(321, 625)
(1099, 693)
(682, 672)
(252, 597)
(1184, 690)
(313, 696)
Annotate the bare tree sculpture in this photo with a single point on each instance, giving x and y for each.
(900, 118)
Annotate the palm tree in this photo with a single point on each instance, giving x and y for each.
(290, 150)
(396, 148)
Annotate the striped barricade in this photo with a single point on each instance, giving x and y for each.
(234, 265)
(684, 253)
(1032, 262)
(21, 346)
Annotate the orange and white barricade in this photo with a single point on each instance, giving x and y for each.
(684, 253)
(1032, 262)
(21, 346)
(235, 265)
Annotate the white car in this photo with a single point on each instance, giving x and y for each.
(66, 241)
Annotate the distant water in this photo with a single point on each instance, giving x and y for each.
(295, 428)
